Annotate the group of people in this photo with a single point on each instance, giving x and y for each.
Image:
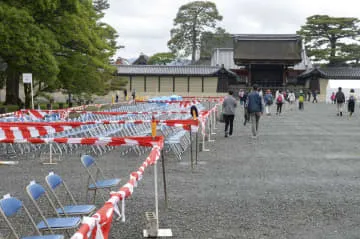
(254, 103)
(339, 99)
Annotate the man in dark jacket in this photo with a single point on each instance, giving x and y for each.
(255, 109)
(229, 106)
(340, 100)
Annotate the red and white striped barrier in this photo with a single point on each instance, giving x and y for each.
(23, 132)
(185, 124)
(98, 226)
(146, 141)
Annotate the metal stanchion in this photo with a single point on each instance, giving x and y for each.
(164, 177)
(196, 147)
(191, 150)
(152, 223)
(50, 155)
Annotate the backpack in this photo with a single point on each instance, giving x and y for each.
(269, 100)
(279, 99)
(301, 98)
(351, 99)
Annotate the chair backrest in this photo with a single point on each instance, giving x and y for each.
(54, 182)
(10, 207)
(87, 161)
(35, 191)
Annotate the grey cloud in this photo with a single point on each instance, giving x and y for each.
(144, 25)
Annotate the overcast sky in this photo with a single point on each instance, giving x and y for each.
(144, 25)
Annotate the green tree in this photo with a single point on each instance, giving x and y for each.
(351, 52)
(191, 21)
(63, 43)
(161, 58)
(218, 39)
(100, 6)
(25, 47)
(324, 35)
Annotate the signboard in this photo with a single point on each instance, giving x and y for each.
(27, 78)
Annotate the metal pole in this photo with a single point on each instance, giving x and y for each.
(156, 195)
(32, 95)
(191, 150)
(196, 147)
(164, 177)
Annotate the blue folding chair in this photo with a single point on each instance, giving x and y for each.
(36, 193)
(54, 182)
(94, 183)
(9, 207)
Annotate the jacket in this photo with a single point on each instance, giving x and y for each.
(268, 99)
(254, 102)
(229, 105)
(340, 97)
(292, 97)
(283, 99)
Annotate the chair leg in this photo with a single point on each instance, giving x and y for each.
(87, 195)
(94, 196)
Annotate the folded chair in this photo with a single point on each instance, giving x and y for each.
(10, 207)
(55, 182)
(38, 196)
(98, 181)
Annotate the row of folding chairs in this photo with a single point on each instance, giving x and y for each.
(57, 210)
(65, 151)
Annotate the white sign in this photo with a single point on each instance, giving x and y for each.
(27, 78)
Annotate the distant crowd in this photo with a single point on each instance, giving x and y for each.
(256, 101)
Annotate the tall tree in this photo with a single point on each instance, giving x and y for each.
(25, 46)
(161, 58)
(45, 36)
(218, 39)
(101, 5)
(323, 36)
(191, 21)
(351, 52)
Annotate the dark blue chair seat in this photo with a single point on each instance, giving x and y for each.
(76, 209)
(45, 237)
(105, 183)
(60, 222)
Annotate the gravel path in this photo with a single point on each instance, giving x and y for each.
(299, 179)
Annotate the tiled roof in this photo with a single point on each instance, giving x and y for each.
(262, 37)
(155, 70)
(350, 73)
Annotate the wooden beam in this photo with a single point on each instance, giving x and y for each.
(130, 83)
(188, 84)
(202, 84)
(159, 81)
(144, 83)
(173, 83)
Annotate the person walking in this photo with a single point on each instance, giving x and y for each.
(309, 95)
(314, 93)
(301, 100)
(133, 94)
(332, 98)
(229, 106)
(280, 100)
(351, 102)
(255, 108)
(241, 96)
(125, 94)
(268, 101)
(246, 112)
(292, 97)
(340, 100)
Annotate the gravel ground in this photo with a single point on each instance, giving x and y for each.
(298, 179)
